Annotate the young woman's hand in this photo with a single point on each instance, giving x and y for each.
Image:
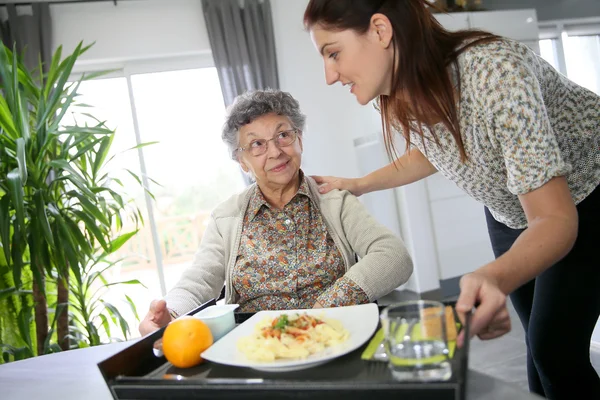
(328, 183)
(157, 317)
(491, 318)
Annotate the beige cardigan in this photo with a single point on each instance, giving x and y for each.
(384, 261)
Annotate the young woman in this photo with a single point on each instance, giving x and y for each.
(500, 122)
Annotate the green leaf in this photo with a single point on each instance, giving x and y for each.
(135, 176)
(121, 240)
(85, 149)
(77, 235)
(6, 119)
(26, 80)
(45, 149)
(76, 180)
(16, 191)
(129, 282)
(15, 84)
(101, 154)
(5, 227)
(105, 323)
(94, 75)
(64, 252)
(117, 315)
(5, 76)
(70, 248)
(23, 117)
(117, 197)
(42, 217)
(92, 227)
(155, 182)
(35, 246)
(64, 165)
(4, 293)
(13, 291)
(53, 71)
(24, 322)
(93, 335)
(139, 146)
(65, 71)
(21, 161)
(58, 256)
(133, 308)
(46, 259)
(68, 143)
(66, 103)
(20, 106)
(92, 209)
(91, 130)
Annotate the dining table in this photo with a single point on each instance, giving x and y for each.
(74, 375)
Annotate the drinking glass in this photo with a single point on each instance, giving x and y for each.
(415, 339)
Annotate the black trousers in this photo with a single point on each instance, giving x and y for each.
(559, 309)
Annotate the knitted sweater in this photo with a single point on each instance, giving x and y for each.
(522, 124)
(384, 261)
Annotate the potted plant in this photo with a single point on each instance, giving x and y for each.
(60, 211)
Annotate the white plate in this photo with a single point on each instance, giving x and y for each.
(360, 321)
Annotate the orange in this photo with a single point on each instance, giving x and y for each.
(184, 340)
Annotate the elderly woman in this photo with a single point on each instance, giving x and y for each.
(280, 244)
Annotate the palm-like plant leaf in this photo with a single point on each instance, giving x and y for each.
(59, 215)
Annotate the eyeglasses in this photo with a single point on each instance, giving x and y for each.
(259, 147)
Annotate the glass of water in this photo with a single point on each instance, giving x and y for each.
(416, 341)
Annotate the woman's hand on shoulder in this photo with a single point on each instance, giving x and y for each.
(328, 183)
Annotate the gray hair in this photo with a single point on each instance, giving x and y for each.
(252, 105)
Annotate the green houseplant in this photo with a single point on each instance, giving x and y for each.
(59, 211)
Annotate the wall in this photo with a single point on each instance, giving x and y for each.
(550, 9)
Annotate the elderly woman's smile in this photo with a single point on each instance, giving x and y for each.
(271, 150)
(280, 167)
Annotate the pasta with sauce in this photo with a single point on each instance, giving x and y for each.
(291, 336)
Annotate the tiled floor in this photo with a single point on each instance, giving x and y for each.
(504, 358)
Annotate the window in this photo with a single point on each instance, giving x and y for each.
(573, 48)
(582, 55)
(549, 53)
(183, 111)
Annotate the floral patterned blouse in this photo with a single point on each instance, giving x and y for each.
(288, 260)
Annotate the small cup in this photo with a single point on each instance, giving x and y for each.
(416, 341)
(219, 319)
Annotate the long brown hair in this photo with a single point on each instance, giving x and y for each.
(423, 51)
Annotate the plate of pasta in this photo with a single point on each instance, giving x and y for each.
(288, 340)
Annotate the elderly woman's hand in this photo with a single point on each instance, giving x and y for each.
(328, 183)
(491, 318)
(157, 317)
